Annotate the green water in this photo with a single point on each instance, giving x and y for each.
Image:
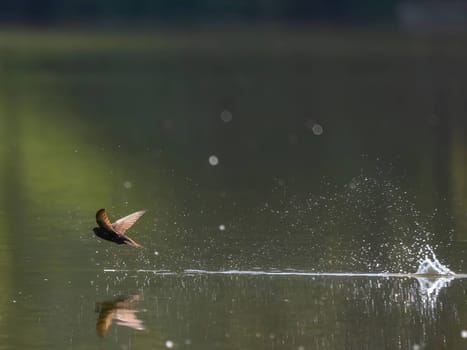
(338, 151)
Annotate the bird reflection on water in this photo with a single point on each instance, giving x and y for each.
(120, 309)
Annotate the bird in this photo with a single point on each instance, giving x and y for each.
(116, 232)
(120, 309)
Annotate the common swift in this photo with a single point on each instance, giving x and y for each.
(116, 232)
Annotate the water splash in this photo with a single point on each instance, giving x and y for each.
(432, 277)
(431, 265)
(370, 224)
(431, 274)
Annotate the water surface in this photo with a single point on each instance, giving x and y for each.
(338, 166)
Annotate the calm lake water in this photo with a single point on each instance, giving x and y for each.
(293, 179)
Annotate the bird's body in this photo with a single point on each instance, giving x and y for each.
(116, 232)
(114, 237)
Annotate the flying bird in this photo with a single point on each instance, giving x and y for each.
(116, 232)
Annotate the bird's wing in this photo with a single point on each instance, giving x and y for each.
(123, 224)
(128, 318)
(103, 220)
(104, 320)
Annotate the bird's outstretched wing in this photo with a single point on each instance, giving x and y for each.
(123, 224)
(103, 220)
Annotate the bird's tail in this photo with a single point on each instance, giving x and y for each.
(129, 241)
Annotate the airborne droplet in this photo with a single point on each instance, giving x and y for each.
(213, 160)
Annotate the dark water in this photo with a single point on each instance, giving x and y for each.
(253, 149)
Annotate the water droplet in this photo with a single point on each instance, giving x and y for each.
(314, 127)
(222, 227)
(317, 129)
(127, 185)
(169, 344)
(226, 116)
(464, 333)
(213, 160)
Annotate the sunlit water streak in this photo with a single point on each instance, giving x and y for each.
(431, 275)
(429, 268)
(293, 273)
